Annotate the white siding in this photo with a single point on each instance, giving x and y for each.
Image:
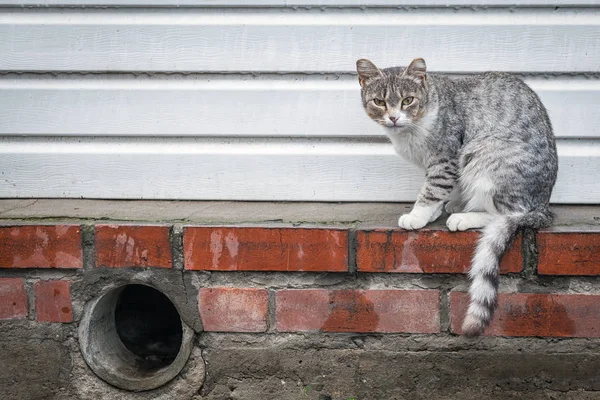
(256, 40)
(158, 102)
(225, 106)
(251, 169)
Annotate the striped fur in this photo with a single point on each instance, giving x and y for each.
(495, 239)
(488, 151)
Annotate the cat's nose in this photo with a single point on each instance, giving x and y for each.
(393, 119)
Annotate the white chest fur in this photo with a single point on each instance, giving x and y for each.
(409, 145)
(411, 142)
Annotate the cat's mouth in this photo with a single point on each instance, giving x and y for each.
(395, 125)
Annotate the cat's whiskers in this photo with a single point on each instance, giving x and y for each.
(418, 128)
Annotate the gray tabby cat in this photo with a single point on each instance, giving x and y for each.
(488, 151)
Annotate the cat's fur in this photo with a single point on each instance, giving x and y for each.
(487, 147)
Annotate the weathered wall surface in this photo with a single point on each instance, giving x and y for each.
(300, 308)
(258, 99)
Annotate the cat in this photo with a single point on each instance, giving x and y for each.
(489, 154)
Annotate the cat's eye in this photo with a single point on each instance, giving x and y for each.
(407, 101)
(379, 102)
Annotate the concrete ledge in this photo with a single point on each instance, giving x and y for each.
(227, 212)
(242, 236)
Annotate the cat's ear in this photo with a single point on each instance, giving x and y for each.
(417, 69)
(366, 70)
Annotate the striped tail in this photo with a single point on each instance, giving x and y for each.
(495, 239)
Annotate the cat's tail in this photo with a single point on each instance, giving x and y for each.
(495, 239)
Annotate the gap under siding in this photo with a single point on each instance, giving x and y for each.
(297, 3)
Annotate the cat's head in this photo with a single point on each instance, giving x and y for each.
(394, 97)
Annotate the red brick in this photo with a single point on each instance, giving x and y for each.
(535, 314)
(572, 253)
(411, 311)
(13, 298)
(425, 251)
(53, 301)
(265, 249)
(41, 246)
(133, 246)
(233, 309)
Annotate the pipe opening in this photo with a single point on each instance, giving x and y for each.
(133, 338)
(149, 326)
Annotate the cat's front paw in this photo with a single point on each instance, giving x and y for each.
(437, 213)
(410, 222)
(457, 222)
(464, 221)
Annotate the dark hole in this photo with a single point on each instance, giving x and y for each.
(149, 326)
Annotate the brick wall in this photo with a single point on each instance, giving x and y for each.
(530, 304)
(298, 309)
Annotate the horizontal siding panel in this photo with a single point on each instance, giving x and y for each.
(528, 40)
(283, 170)
(235, 107)
(294, 3)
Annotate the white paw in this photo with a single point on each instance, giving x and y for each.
(464, 221)
(452, 207)
(436, 215)
(410, 222)
(457, 222)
